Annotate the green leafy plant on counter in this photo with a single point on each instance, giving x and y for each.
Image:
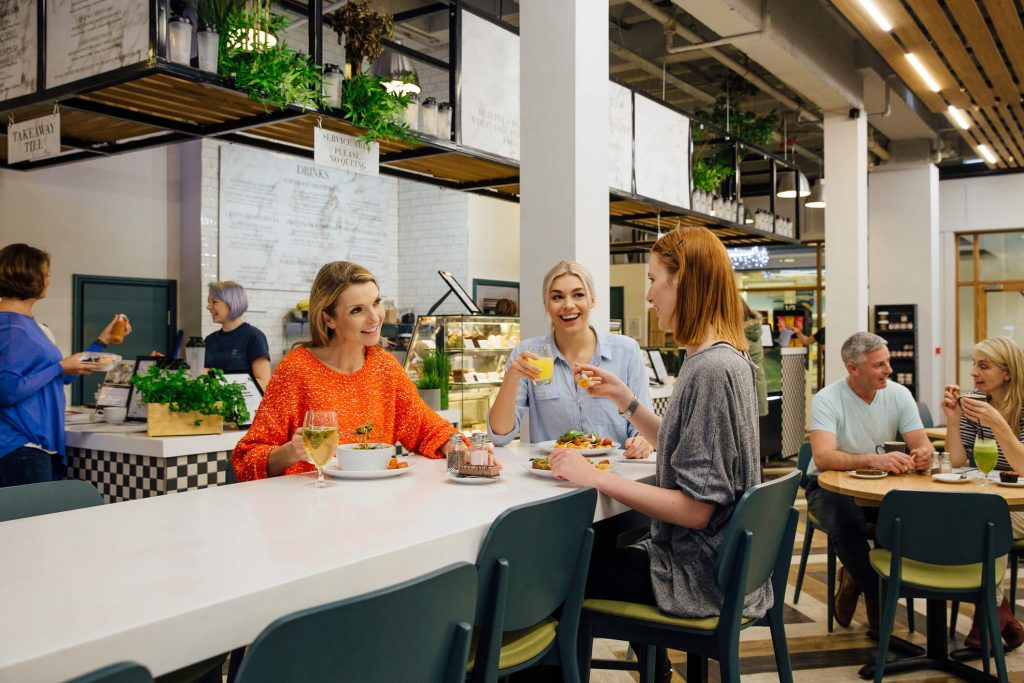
(208, 394)
(367, 103)
(268, 70)
(713, 159)
(437, 367)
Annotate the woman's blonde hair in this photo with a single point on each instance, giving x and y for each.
(706, 293)
(333, 279)
(1005, 353)
(567, 268)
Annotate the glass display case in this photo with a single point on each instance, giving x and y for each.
(478, 347)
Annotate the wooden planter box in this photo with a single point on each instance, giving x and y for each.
(163, 422)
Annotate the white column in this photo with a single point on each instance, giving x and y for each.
(846, 236)
(903, 255)
(564, 149)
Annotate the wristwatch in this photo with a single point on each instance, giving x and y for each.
(633, 405)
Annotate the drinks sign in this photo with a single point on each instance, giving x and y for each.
(344, 152)
(33, 139)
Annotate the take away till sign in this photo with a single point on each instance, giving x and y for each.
(33, 139)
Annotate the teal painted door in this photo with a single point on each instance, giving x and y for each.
(151, 306)
(616, 307)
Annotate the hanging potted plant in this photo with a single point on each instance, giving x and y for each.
(178, 403)
(360, 29)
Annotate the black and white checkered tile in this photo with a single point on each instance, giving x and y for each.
(659, 405)
(123, 476)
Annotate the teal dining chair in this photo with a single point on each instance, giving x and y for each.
(48, 497)
(757, 547)
(122, 672)
(420, 626)
(915, 558)
(533, 570)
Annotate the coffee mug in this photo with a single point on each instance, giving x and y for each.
(888, 446)
(112, 414)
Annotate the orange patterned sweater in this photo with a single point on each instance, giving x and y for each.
(379, 392)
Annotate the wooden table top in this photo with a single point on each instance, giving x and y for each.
(935, 433)
(869, 492)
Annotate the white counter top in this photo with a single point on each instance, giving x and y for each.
(663, 390)
(137, 443)
(171, 580)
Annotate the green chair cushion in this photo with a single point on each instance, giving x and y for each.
(521, 646)
(1018, 544)
(813, 519)
(947, 577)
(633, 610)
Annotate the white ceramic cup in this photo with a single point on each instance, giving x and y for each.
(112, 414)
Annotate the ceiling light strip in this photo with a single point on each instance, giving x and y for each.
(928, 79)
(872, 9)
(987, 154)
(959, 118)
(999, 140)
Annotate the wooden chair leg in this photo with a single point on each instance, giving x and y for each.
(804, 554)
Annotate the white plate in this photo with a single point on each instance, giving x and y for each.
(950, 478)
(854, 474)
(548, 474)
(548, 446)
(333, 470)
(472, 481)
(651, 459)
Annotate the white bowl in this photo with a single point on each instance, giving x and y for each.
(352, 458)
(105, 361)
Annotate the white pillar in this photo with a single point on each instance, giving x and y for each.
(903, 255)
(564, 149)
(846, 235)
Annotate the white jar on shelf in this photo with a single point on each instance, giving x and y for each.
(332, 86)
(428, 116)
(179, 40)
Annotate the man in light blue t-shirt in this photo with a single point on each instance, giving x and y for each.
(849, 418)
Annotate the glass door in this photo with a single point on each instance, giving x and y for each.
(1002, 311)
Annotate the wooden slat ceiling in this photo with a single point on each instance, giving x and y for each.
(973, 50)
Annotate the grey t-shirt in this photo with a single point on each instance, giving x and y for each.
(708, 448)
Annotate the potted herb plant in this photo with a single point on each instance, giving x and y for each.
(364, 454)
(433, 379)
(178, 403)
(360, 29)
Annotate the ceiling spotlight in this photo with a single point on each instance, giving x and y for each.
(876, 14)
(817, 198)
(787, 188)
(959, 118)
(987, 154)
(923, 72)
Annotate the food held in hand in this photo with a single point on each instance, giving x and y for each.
(583, 379)
(1008, 477)
(582, 440)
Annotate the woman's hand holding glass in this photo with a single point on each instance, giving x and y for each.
(522, 368)
(108, 337)
(950, 405)
(979, 412)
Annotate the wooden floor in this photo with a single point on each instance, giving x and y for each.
(816, 655)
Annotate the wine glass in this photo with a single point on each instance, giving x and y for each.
(320, 439)
(986, 454)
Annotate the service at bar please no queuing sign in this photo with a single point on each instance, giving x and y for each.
(345, 153)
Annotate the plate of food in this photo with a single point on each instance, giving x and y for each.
(1007, 478)
(868, 473)
(104, 361)
(649, 459)
(332, 469)
(541, 467)
(471, 480)
(588, 444)
(951, 478)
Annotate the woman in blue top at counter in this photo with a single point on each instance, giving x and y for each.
(561, 406)
(237, 346)
(32, 372)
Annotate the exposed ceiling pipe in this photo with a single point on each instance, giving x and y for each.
(655, 70)
(670, 23)
(876, 149)
(727, 40)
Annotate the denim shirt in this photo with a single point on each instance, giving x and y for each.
(562, 405)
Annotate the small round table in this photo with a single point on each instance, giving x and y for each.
(869, 493)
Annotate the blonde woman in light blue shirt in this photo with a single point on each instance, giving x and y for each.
(562, 405)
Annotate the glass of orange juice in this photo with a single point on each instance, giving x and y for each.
(545, 362)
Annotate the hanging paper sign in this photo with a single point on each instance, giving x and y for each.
(345, 153)
(33, 139)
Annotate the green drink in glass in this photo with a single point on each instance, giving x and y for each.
(985, 455)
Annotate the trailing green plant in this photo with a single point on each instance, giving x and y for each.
(437, 367)
(208, 394)
(270, 72)
(367, 103)
(713, 161)
(214, 13)
(363, 28)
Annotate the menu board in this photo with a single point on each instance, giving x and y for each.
(662, 152)
(282, 217)
(18, 48)
(620, 137)
(490, 87)
(89, 37)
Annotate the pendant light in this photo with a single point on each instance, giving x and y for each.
(789, 187)
(817, 198)
(398, 70)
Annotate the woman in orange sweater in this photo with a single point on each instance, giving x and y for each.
(342, 369)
